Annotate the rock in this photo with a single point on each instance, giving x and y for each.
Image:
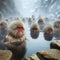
(51, 54)
(5, 55)
(55, 45)
(33, 57)
(27, 58)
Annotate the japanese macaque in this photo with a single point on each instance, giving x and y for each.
(48, 32)
(33, 18)
(29, 21)
(23, 20)
(34, 31)
(16, 18)
(41, 24)
(3, 29)
(46, 20)
(57, 29)
(15, 40)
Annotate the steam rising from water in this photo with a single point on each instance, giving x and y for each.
(43, 8)
(25, 8)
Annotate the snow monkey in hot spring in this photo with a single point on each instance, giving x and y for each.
(57, 29)
(48, 32)
(29, 21)
(34, 30)
(3, 29)
(15, 40)
(41, 24)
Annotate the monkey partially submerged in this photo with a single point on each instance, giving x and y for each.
(48, 32)
(34, 31)
(3, 29)
(41, 24)
(29, 21)
(15, 40)
(57, 29)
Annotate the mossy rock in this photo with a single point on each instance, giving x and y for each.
(5, 55)
(50, 54)
(55, 45)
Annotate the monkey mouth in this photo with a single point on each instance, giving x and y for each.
(20, 33)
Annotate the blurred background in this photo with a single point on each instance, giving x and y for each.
(26, 8)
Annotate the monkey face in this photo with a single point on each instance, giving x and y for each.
(40, 21)
(34, 31)
(49, 31)
(57, 24)
(3, 24)
(48, 35)
(17, 29)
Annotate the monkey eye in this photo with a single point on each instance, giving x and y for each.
(49, 31)
(34, 28)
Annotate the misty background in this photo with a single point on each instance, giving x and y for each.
(26, 8)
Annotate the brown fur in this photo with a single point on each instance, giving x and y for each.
(3, 22)
(48, 27)
(40, 20)
(35, 26)
(14, 43)
(11, 37)
(55, 23)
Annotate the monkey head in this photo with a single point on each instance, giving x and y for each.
(40, 21)
(3, 23)
(57, 24)
(34, 31)
(48, 32)
(16, 29)
(35, 27)
(48, 29)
